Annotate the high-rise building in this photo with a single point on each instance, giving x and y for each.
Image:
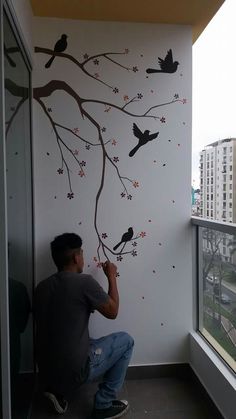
(218, 181)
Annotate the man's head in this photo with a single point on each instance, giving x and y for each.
(67, 253)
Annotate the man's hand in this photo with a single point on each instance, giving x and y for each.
(110, 309)
(110, 269)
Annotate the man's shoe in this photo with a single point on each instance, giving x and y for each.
(116, 410)
(59, 404)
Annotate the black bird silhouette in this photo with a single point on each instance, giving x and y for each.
(167, 65)
(142, 137)
(125, 238)
(60, 46)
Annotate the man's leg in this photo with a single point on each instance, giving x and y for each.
(109, 356)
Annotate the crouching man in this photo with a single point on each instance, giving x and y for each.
(67, 357)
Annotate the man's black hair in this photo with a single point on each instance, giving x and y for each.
(62, 249)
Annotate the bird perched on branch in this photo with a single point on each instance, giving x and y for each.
(125, 238)
(167, 65)
(143, 138)
(60, 46)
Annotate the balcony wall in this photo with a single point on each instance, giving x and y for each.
(86, 182)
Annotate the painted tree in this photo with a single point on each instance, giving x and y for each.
(62, 131)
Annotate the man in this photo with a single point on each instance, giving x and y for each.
(66, 356)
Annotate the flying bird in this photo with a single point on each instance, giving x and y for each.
(60, 46)
(167, 65)
(125, 238)
(143, 138)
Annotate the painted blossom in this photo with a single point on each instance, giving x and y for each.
(116, 159)
(115, 90)
(139, 95)
(104, 235)
(126, 97)
(119, 258)
(70, 195)
(135, 69)
(60, 171)
(114, 142)
(96, 61)
(142, 234)
(87, 147)
(135, 184)
(129, 197)
(162, 119)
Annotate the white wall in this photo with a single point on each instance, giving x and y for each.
(24, 16)
(156, 285)
(214, 375)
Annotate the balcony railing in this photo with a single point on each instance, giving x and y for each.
(216, 272)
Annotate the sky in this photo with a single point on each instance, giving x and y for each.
(214, 83)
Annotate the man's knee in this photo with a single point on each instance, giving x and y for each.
(127, 339)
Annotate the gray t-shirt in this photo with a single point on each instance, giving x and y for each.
(62, 307)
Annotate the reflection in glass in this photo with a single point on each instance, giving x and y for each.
(218, 292)
(19, 212)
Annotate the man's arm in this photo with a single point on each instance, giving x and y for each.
(111, 307)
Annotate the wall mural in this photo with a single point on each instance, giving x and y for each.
(127, 244)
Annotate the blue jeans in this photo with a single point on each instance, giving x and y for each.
(109, 357)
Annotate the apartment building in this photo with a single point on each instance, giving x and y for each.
(217, 187)
(217, 181)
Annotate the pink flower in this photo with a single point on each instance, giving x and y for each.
(81, 173)
(126, 97)
(142, 234)
(135, 184)
(114, 142)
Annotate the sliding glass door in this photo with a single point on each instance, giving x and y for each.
(18, 217)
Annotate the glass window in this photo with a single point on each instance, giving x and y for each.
(217, 314)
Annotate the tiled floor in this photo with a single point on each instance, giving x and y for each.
(161, 398)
